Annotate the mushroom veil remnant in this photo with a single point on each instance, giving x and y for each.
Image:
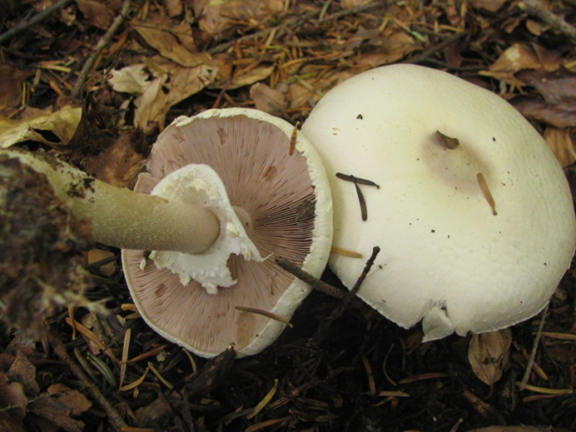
(473, 212)
(271, 196)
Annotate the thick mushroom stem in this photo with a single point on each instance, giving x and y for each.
(125, 219)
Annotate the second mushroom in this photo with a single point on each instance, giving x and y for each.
(281, 205)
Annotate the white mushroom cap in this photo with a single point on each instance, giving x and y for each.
(446, 258)
(282, 198)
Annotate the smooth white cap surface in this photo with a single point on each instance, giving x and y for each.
(446, 259)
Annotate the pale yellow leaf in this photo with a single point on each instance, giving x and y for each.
(62, 124)
(131, 79)
(488, 354)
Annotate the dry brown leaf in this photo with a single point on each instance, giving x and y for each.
(12, 395)
(559, 92)
(218, 16)
(175, 84)
(99, 13)
(520, 57)
(349, 4)
(392, 46)
(131, 79)
(11, 81)
(24, 372)
(57, 412)
(268, 100)
(73, 399)
(556, 88)
(488, 354)
(120, 163)
(9, 424)
(562, 144)
(512, 60)
(537, 109)
(249, 76)
(163, 36)
(489, 5)
(62, 124)
(173, 7)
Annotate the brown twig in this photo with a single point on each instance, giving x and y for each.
(346, 301)
(315, 283)
(104, 40)
(532, 357)
(33, 21)
(423, 56)
(115, 420)
(535, 8)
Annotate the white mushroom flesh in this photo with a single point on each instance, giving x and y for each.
(200, 185)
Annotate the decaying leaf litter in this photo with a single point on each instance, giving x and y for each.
(149, 62)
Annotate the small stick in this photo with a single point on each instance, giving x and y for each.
(367, 267)
(532, 357)
(535, 8)
(486, 192)
(428, 52)
(315, 283)
(362, 201)
(349, 297)
(105, 40)
(293, 139)
(357, 180)
(115, 420)
(345, 252)
(34, 20)
(264, 313)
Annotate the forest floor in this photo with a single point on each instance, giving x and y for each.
(96, 81)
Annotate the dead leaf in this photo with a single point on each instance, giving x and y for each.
(170, 86)
(24, 372)
(49, 128)
(120, 163)
(488, 354)
(73, 399)
(130, 79)
(161, 35)
(9, 424)
(248, 76)
(11, 81)
(12, 395)
(268, 100)
(519, 57)
(489, 5)
(512, 60)
(349, 4)
(559, 92)
(218, 16)
(173, 7)
(535, 108)
(57, 412)
(556, 88)
(99, 13)
(562, 144)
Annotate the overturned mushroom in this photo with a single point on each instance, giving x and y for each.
(229, 188)
(283, 202)
(474, 214)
